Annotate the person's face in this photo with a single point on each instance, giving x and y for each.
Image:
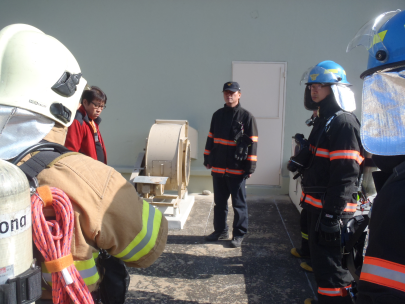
(319, 91)
(231, 98)
(94, 108)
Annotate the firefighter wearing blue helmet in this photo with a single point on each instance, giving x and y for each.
(382, 278)
(329, 176)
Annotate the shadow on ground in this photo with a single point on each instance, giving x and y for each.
(261, 271)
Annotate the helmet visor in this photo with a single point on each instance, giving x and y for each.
(383, 113)
(369, 36)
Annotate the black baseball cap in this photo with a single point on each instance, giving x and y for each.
(231, 86)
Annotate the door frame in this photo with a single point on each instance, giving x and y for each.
(283, 92)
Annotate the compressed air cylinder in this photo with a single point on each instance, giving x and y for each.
(15, 222)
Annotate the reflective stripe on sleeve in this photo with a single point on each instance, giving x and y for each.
(210, 135)
(347, 154)
(311, 200)
(145, 240)
(304, 236)
(254, 138)
(322, 153)
(224, 142)
(87, 269)
(319, 152)
(252, 157)
(207, 152)
(383, 272)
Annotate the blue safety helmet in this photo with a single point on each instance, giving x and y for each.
(331, 73)
(384, 38)
(326, 71)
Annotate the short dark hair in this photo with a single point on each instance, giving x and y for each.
(95, 93)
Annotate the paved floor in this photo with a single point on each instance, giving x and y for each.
(261, 271)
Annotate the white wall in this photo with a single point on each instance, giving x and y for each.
(168, 59)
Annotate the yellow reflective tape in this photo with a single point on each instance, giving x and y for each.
(304, 236)
(91, 280)
(379, 37)
(140, 235)
(331, 71)
(83, 265)
(95, 255)
(152, 242)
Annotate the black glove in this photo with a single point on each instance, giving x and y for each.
(330, 227)
(242, 145)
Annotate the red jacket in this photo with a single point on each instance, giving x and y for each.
(81, 138)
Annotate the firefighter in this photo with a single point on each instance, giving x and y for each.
(231, 153)
(40, 88)
(382, 278)
(329, 189)
(303, 251)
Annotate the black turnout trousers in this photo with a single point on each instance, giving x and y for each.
(326, 259)
(225, 186)
(304, 232)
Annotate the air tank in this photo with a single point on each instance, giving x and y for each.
(15, 222)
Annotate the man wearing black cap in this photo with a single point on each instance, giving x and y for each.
(230, 152)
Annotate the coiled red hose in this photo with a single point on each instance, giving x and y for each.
(53, 239)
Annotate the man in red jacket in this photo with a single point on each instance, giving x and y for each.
(84, 135)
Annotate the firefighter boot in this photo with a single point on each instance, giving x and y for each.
(310, 301)
(298, 253)
(307, 266)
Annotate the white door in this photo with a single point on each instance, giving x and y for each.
(263, 94)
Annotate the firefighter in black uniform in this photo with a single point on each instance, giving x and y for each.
(382, 278)
(302, 252)
(231, 154)
(329, 189)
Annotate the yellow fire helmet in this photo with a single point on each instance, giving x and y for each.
(39, 74)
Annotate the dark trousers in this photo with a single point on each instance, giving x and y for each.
(304, 232)
(225, 186)
(326, 259)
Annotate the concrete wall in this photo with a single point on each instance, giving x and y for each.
(168, 59)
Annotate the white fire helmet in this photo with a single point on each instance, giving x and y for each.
(38, 75)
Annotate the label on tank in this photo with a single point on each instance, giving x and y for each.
(6, 273)
(14, 223)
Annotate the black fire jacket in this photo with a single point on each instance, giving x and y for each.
(330, 182)
(220, 148)
(383, 272)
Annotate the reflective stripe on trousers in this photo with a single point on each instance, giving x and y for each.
(334, 292)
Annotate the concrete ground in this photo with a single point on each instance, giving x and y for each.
(262, 271)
